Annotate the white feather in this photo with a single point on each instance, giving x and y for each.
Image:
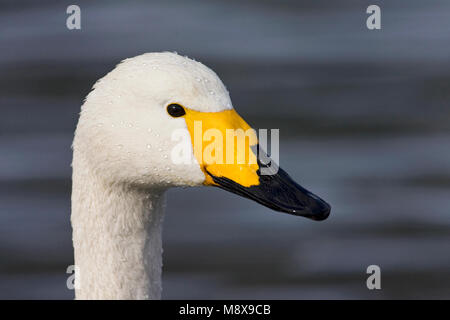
(121, 169)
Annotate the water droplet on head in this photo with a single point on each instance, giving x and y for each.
(166, 156)
(149, 146)
(212, 93)
(120, 146)
(160, 149)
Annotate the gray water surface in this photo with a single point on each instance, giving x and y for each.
(364, 122)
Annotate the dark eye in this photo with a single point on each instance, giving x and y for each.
(175, 110)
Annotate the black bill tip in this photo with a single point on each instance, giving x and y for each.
(279, 192)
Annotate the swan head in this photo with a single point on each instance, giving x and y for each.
(146, 122)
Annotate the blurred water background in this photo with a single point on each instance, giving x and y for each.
(364, 122)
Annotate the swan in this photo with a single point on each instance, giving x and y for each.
(122, 167)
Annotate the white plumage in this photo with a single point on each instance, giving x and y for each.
(121, 169)
(123, 163)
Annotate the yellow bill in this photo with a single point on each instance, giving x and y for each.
(226, 148)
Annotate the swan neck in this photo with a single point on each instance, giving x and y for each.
(117, 239)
